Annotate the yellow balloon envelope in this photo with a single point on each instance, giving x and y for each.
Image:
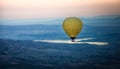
(72, 26)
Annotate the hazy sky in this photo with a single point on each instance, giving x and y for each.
(57, 8)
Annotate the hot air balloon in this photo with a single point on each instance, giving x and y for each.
(72, 26)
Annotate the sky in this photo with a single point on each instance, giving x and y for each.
(57, 8)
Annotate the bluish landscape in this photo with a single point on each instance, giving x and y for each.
(20, 50)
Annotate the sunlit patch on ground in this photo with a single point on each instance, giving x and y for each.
(77, 41)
